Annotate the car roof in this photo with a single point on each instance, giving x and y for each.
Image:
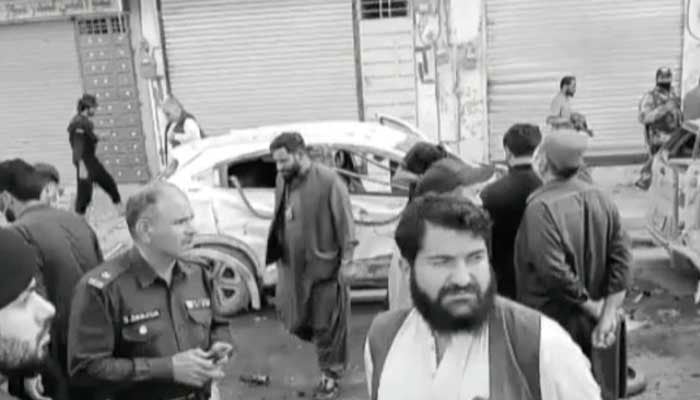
(240, 142)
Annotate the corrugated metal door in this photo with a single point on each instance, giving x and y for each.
(612, 47)
(388, 67)
(241, 63)
(40, 86)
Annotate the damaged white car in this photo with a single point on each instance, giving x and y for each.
(230, 182)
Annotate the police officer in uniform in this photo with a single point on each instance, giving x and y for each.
(90, 170)
(660, 113)
(141, 325)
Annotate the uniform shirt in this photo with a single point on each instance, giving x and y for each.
(82, 138)
(411, 371)
(658, 122)
(126, 323)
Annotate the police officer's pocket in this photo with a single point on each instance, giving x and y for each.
(140, 338)
(201, 321)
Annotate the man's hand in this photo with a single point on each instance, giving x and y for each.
(192, 368)
(605, 333)
(593, 308)
(82, 170)
(220, 353)
(34, 387)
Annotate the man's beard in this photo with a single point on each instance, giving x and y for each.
(440, 319)
(664, 86)
(292, 172)
(20, 357)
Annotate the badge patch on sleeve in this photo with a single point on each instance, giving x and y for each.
(197, 304)
(140, 317)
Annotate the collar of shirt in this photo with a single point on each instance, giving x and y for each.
(34, 205)
(521, 162)
(146, 275)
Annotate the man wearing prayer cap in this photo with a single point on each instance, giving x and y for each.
(572, 257)
(25, 317)
(445, 176)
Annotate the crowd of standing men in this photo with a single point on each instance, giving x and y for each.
(490, 283)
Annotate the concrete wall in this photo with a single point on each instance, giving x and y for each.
(145, 26)
(452, 107)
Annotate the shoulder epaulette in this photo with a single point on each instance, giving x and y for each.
(103, 275)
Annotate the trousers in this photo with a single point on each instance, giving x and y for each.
(96, 174)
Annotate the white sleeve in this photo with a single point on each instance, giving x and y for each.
(192, 131)
(368, 368)
(565, 372)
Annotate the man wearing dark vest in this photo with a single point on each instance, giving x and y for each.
(182, 126)
(461, 340)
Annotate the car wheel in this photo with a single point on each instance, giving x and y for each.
(230, 293)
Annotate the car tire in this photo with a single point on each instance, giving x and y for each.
(230, 293)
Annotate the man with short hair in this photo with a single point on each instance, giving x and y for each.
(560, 110)
(572, 257)
(142, 325)
(660, 113)
(505, 200)
(445, 176)
(25, 317)
(89, 170)
(461, 340)
(67, 248)
(312, 238)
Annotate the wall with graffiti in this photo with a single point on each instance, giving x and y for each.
(451, 79)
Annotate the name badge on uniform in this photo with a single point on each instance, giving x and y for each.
(140, 317)
(196, 304)
(288, 214)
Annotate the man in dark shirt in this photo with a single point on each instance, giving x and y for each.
(83, 141)
(142, 324)
(25, 317)
(506, 199)
(67, 249)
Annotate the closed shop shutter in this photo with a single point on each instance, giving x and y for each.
(612, 47)
(40, 87)
(237, 64)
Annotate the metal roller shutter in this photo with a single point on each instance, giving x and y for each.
(241, 63)
(612, 47)
(40, 86)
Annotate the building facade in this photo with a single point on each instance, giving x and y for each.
(53, 51)
(461, 71)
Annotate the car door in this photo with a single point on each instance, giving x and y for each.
(377, 204)
(674, 189)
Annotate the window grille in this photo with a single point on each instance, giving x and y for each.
(103, 25)
(380, 9)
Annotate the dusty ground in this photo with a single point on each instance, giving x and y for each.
(664, 328)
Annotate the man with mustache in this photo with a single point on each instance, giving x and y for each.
(312, 238)
(447, 175)
(142, 325)
(462, 340)
(25, 317)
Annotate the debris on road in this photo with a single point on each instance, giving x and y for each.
(668, 313)
(255, 379)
